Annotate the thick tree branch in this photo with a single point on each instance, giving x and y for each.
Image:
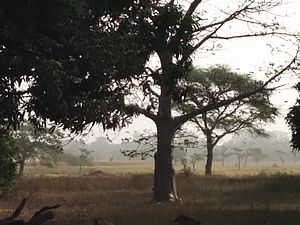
(261, 34)
(219, 117)
(40, 217)
(171, 2)
(192, 8)
(153, 92)
(230, 17)
(217, 26)
(139, 110)
(197, 122)
(183, 118)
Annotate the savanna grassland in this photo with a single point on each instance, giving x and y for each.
(122, 194)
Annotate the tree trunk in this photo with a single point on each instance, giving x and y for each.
(164, 179)
(209, 159)
(239, 162)
(21, 168)
(210, 147)
(246, 159)
(164, 188)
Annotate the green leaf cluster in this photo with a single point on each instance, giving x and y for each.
(67, 60)
(8, 158)
(293, 120)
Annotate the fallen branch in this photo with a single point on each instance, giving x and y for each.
(39, 217)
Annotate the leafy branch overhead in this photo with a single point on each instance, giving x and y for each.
(78, 69)
(78, 63)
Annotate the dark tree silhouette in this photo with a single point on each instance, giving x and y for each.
(219, 82)
(293, 120)
(83, 59)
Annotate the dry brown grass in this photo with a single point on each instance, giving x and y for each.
(124, 198)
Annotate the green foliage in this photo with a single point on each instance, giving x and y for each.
(207, 86)
(218, 83)
(32, 143)
(8, 157)
(293, 120)
(74, 54)
(84, 155)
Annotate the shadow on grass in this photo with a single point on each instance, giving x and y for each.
(283, 183)
(249, 217)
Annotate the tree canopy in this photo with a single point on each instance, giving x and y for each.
(77, 62)
(66, 60)
(8, 158)
(206, 86)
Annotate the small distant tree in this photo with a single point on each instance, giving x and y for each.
(295, 155)
(84, 155)
(281, 155)
(247, 154)
(240, 154)
(186, 169)
(196, 157)
(257, 155)
(223, 153)
(32, 143)
(179, 154)
(70, 159)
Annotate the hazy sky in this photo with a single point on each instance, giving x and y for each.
(251, 54)
(244, 56)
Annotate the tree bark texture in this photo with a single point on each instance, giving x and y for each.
(164, 173)
(21, 168)
(209, 159)
(164, 188)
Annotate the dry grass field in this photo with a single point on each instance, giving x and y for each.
(252, 196)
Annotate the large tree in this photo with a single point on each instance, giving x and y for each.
(82, 59)
(175, 35)
(220, 83)
(67, 60)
